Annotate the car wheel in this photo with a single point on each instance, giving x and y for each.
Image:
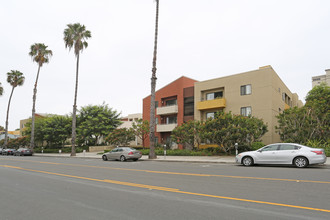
(104, 158)
(122, 158)
(300, 162)
(247, 161)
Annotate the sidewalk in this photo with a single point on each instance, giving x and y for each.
(200, 159)
(197, 159)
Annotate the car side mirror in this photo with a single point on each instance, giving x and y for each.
(260, 151)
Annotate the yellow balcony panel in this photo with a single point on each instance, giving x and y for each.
(210, 104)
(286, 106)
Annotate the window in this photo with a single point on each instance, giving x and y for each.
(171, 102)
(156, 121)
(156, 104)
(246, 111)
(270, 148)
(246, 89)
(156, 140)
(188, 106)
(289, 147)
(214, 95)
(210, 115)
(171, 120)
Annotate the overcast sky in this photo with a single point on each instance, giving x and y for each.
(200, 39)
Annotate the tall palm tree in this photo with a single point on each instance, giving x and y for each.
(1, 89)
(40, 55)
(75, 35)
(152, 153)
(14, 78)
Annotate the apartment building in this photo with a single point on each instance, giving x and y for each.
(317, 80)
(260, 93)
(127, 122)
(174, 104)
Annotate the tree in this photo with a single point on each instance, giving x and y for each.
(152, 153)
(14, 78)
(318, 101)
(96, 121)
(188, 134)
(226, 129)
(1, 89)
(75, 35)
(141, 129)
(295, 125)
(121, 136)
(54, 130)
(310, 122)
(40, 55)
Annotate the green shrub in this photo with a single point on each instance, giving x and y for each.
(257, 145)
(320, 144)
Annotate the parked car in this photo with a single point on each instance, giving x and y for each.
(122, 154)
(1, 149)
(283, 153)
(23, 152)
(8, 151)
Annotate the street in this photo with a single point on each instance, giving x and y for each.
(34, 188)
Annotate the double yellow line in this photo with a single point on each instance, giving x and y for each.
(150, 187)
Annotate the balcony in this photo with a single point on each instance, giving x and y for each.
(165, 127)
(211, 104)
(167, 110)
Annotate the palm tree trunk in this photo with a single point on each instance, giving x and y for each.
(73, 141)
(6, 131)
(34, 109)
(152, 153)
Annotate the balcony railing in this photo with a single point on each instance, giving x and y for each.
(167, 110)
(165, 127)
(211, 104)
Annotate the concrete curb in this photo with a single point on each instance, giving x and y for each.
(159, 159)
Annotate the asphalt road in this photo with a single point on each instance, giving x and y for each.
(33, 188)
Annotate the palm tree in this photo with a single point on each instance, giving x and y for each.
(152, 153)
(40, 55)
(75, 35)
(1, 89)
(14, 78)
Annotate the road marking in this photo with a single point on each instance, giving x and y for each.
(177, 173)
(160, 188)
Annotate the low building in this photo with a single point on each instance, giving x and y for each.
(128, 122)
(317, 80)
(260, 93)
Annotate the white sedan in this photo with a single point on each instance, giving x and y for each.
(283, 153)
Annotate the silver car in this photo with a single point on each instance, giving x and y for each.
(122, 154)
(283, 153)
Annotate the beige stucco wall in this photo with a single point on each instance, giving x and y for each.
(265, 99)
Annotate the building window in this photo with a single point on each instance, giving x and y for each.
(188, 107)
(156, 104)
(171, 102)
(214, 95)
(171, 120)
(246, 89)
(156, 121)
(246, 111)
(210, 115)
(156, 140)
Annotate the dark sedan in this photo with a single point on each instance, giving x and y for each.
(23, 152)
(8, 151)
